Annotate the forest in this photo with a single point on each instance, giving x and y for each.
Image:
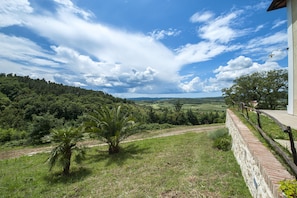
(31, 108)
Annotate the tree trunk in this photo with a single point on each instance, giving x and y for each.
(113, 149)
(66, 167)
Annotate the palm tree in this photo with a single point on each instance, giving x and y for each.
(66, 139)
(111, 126)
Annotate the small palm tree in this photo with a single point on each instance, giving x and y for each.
(66, 139)
(111, 126)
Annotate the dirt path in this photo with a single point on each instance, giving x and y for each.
(92, 143)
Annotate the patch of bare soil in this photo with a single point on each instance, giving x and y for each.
(91, 143)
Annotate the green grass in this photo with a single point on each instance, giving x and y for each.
(182, 166)
(268, 125)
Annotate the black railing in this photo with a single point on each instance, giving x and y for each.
(275, 146)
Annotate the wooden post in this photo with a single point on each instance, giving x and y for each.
(293, 149)
(258, 119)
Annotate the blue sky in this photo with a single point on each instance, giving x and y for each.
(142, 48)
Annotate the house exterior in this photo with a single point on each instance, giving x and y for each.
(292, 50)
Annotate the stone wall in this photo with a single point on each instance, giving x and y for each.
(261, 171)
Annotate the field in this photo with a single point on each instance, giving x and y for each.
(195, 104)
(183, 165)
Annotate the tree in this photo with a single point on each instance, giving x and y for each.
(111, 126)
(66, 139)
(41, 127)
(178, 106)
(269, 88)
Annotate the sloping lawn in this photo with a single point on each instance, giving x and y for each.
(176, 166)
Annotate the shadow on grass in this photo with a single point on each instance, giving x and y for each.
(76, 174)
(131, 151)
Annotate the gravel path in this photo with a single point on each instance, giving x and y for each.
(31, 151)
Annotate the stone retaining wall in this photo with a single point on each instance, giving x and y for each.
(261, 171)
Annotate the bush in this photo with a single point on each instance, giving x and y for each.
(289, 188)
(11, 134)
(221, 139)
(218, 133)
(223, 143)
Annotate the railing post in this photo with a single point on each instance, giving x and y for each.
(258, 119)
(293, 149)
(247, 113)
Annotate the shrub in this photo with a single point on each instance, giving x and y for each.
(221, 139)
(11, 134)
(223, 143)
(289, 188)
(218, 133)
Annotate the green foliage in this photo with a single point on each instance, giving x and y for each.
(270, 89)
(223, 143)
(41, 126)
(218, 133)
(289, 188)
(11, 134)
(66, 140)
(36, 106)
(178, 106)
(153, 126)
(221, 139)
(111, 126)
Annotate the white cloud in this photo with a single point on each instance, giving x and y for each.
(278, 23)
(194, 85)
(161, 34)
(201, 51)
(201, 16)
(264, 46)
(24, 50)
(105, 43)
(12, 12)
(91, 54)
(68, 5)
(220, 30)
(237, 67)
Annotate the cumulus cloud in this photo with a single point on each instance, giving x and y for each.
(237, 67)
(193, 85)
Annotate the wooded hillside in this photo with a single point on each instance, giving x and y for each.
(30, 108)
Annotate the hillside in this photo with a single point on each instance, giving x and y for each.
(34, 104)
(30, 108)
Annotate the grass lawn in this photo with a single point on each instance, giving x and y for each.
(176, 166)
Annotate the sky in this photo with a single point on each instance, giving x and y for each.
(142, 48)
